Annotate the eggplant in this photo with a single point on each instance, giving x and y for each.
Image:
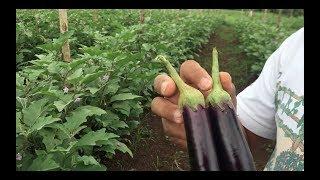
(201, 146)
(232, 148)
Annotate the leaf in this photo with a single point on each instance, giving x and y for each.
(91, 77)
(60, 105)
(123, 96)
(41, 122)
(119, 145)
(73, 77)
(92, 137)
(79, 116)
(49, 139)
(55, 67)
(123, 106)
(111, 122)
(33, 112)
(18, 123)
(93, 90)
(75, 63)
(146, 46)
(81, 167)
(88, 160)
(22, 101)
(34, 74)
(112, 86)
(107, 118)
(123, 148)
(43, 162)
(62, 149)
(133, 124)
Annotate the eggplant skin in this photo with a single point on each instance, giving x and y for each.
(232, 148)
(201, 146)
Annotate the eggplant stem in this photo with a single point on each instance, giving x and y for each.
(172, 72)
(189, 96)
(215, 74)
(218, 95)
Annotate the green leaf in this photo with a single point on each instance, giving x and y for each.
(107, 118)
(73, 77)
(112, 86)
(91, 138)
(81, 167)
(33, 112)
(123, 96)
(62, 149)
(75, 63)
(49, 139)
(22, 101)
(79, 116)
(93, 90)
(123, 148)
(91, 77)
(88, 160)
(18, 123)
(122, 106)
(146, 46)
(41, 122)
(119, 145)
(111, 122)
(60, 105)
(43, 162)
(55, 67)
(34, 74)
(133, 124)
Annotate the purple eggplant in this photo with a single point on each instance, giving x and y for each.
(201, 146)
(231, 146)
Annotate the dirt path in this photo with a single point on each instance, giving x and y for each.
(231, 57)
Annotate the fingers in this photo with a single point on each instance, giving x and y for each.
(226, 82)
(165, 109)
(193, 73)
(164, 85)
(173, 129)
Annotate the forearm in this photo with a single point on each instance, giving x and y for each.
(258, 146)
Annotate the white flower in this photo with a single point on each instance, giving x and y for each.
(18, 157)
(65, 89)
(105, 77)
(77, 100)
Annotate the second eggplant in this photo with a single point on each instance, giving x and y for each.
(232, 148)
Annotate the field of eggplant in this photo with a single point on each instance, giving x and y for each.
(92, 111)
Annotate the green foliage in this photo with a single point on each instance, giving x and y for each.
(69, 113)
(260, 37)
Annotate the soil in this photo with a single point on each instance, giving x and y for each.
(153, 151)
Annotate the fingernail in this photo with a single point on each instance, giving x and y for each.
(164, 87)
(177, 116)
(205, 84)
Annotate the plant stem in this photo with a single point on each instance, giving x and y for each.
(215, 70)
(189, 96)
(173, 73)
(218, 95)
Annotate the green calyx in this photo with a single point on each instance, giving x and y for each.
(218, 95)
(189, 96)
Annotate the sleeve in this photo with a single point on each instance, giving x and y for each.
(255, 104)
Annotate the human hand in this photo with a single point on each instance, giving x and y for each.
(167, 106)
